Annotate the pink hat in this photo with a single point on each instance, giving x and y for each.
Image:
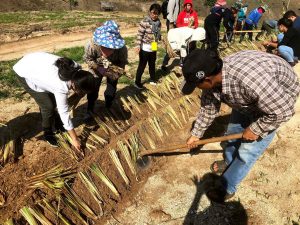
(221, 3)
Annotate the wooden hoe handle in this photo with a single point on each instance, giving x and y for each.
(173, 148)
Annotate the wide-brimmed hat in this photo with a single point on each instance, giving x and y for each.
(108, 35)
(199, 64)
(264, 7)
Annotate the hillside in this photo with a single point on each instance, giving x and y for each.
(276, 6)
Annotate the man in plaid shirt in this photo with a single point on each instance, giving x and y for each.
(261, 89)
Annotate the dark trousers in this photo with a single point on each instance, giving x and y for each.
(212, 36)
(250, 34)
(265, 27)
(228, 36)
(239, 25)
(145, 57)
(46, 102)
(109, 94)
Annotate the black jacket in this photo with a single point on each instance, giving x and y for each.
(292, 39)
(215, 18)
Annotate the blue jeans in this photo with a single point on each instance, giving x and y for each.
(280, 37)
(241, 155)
(286, 52)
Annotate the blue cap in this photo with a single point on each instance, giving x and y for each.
(108, 35)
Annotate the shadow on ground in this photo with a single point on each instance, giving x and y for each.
(226, 213)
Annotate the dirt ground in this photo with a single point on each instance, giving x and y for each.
(168, 191)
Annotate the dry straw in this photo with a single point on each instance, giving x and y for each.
(99, 172)
(117, 162)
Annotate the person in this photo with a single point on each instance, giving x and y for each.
(212, 24)
(220, 3)
(147, 38)
(229, 18)
(188, 17)
(289, 46)
(252, 21)
(262, 90)
(106, 50)
(172, 14)
(180, 38)
(48, 79)
(293, 17)
(241, 16)
(268, 26)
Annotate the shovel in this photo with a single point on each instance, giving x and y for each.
(143, 160)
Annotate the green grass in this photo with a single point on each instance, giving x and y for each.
(59, 20)
(8, 76)
(130, 41)
(75, 53)
(9, 84)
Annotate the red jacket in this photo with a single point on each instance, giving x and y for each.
(184, 17)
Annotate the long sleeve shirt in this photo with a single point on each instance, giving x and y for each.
(179, 38)
(292, 39)
(254, 17)
(254, 83)
(146, 33)
(41, 75)
(95, 59)
(183, 19)
(173, 10)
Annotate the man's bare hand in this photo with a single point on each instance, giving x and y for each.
(248, 135)
(191, 142)
(137, 50)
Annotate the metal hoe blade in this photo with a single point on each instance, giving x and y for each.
(143, 162)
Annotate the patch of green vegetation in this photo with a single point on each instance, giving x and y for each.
(15, 17)
(130, 41)
(7, 75)
(58, 19)
(4, 94)
(10, 86)
(75, 53)
(125, 80)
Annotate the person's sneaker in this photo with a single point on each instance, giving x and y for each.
(292, 64)
(51, 139)
(138, 86)
(153, 83)
(164, 68)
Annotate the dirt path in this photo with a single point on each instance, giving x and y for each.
(14, 50)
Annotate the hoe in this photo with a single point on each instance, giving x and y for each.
(144, 160)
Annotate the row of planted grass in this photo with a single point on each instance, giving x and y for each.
(9, 85)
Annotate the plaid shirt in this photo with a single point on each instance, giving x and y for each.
(258, 84)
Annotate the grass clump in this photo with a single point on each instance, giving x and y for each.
(75, 53)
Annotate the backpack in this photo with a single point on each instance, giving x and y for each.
(164, 8)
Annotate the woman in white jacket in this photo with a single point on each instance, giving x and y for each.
(48, 79)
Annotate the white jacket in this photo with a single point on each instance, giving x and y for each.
(180, 37)
(41, 75)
